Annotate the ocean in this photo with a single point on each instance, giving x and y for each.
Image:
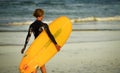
(19, 12)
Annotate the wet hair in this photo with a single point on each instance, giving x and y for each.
(38, 13)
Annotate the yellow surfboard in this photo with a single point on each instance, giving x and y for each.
(42, 49)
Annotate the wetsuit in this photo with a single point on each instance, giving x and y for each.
(36, 28)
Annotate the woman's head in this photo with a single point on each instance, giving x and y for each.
(38, 13)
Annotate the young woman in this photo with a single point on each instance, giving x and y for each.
(36, 28)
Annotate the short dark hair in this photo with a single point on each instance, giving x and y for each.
(38, 13)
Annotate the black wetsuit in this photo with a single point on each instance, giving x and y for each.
(36, 28)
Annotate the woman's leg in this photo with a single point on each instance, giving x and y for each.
(43, 69)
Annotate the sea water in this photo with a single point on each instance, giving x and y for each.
(19, 12)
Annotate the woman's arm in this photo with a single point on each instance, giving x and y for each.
(27, 39)
(51, 36)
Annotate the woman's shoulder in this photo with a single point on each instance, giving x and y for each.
(33, 23)
(44, 24)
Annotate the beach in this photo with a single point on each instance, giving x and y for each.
(93, 52)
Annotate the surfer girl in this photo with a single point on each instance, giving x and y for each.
(36, 28)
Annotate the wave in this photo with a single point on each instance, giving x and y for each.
(20, 23)
(90, 19)
(75, 20)
(24, 23)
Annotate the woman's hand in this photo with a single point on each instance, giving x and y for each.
(57, 47)
(22, 51)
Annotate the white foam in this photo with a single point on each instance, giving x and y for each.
(25, 23)
(75, 20)
(88, 19)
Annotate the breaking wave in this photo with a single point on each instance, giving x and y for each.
(90, 19)
(75, 20)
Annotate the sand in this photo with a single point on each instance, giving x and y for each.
(76, 56)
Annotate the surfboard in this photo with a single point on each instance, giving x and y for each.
(42, 48)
